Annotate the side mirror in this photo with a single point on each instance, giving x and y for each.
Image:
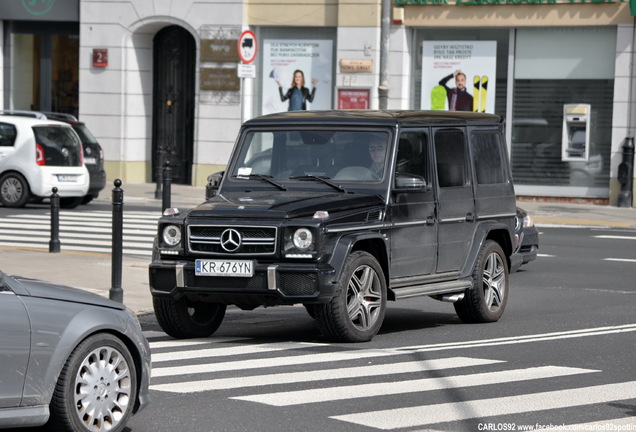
(410, 182)
(214, 181)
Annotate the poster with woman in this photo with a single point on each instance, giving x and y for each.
(459, 75)
(284, 88)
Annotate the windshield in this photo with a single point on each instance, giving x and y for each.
(346, 155)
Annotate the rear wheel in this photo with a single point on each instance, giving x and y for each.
(14, 190)
(185, 318)
(70, 202)
(356, 313)
(486, 300)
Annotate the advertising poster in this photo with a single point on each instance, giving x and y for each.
(282, 57)
(459, 75)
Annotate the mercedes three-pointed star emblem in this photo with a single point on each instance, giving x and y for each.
(231, 240)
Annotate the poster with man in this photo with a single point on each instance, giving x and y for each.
(459, 75)
(297, 75)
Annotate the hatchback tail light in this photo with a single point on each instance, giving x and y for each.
(39, 155)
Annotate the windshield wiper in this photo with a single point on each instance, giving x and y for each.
(325, 180)
(263, 177)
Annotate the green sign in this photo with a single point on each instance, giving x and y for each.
(38, 7)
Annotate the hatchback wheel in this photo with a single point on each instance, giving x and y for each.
(14, 190)
(97, 388)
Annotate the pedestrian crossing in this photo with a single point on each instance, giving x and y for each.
(81, 231)
(303, 375)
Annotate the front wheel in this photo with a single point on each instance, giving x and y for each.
(97, 388)
(486, 300)
(357, 311)
(185, 318)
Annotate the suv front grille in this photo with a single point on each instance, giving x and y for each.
(237, 240)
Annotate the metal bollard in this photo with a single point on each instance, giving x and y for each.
(626, 174)
(116, 292)
(167, 182)
(54, 243)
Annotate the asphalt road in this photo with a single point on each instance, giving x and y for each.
(563, 354)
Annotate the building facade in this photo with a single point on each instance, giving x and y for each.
(158, 81)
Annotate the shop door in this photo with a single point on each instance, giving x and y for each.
(173, 103)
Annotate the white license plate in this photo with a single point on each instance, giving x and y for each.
(90, 160)
(66, 178)
(231, 268)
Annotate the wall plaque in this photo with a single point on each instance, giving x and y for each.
(222, 79)
(219, 50)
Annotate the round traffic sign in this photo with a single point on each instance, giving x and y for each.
(247, 46)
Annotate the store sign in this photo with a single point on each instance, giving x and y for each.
(499, 2)
(40, 10)
(219, 50)
(220, 79)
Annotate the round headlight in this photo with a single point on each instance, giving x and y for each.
(172, 235)
(303, 238)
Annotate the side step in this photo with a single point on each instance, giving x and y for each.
(446, 291)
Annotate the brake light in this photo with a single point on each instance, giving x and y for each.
(39, 155)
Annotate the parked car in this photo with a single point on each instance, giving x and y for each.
(70, 358)
(342, 211)
(527, 239)
(37, 155)
(93, 154)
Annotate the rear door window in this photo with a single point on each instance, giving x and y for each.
(59, 146)
(7, 135)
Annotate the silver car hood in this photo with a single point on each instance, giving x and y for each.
(37, 288)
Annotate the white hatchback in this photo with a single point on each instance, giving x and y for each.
(37, 155)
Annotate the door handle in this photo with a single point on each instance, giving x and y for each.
(470, 217)
(430, 220)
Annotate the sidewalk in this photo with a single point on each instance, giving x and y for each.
(92, 271)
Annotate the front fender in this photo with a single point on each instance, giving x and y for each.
(368, 241)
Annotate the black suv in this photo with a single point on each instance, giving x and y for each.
(341, 211)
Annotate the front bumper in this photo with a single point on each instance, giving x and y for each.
(272, 284)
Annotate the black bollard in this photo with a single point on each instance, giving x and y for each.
(54, 243)
(626, 174)
(116, 292)
(167, 182)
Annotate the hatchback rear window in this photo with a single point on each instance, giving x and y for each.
(85, 135)
(59, 144)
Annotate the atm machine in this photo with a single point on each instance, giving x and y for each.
(575, 146)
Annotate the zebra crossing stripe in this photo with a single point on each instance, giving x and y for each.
(265, 363)
(321, 375)
(423, 415)
(410, 386)
(229, 351)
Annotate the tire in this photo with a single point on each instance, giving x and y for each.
(14, 190)
(357, 311)
(70, 202)
(97, 388)
(487, 299)
(87, 198)
(311, 310)
(185, 318)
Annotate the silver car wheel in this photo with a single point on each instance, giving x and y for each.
(12, 190)
(364, 298)
(103, 389)
(494, 282)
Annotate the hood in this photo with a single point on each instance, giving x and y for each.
(41, 289)
(276, 205)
